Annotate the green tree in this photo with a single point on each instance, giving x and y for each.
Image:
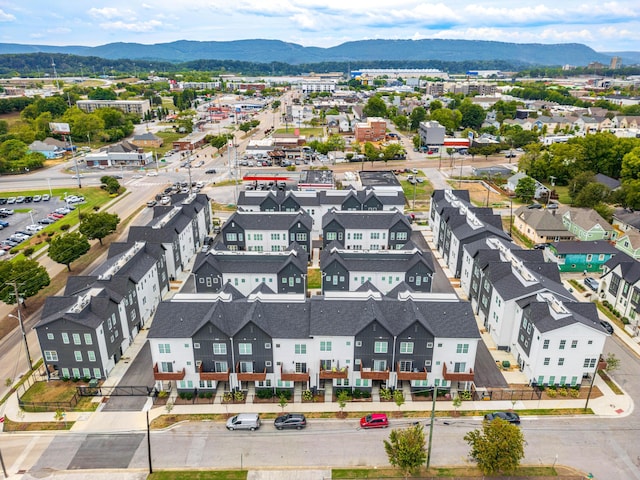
(110, 184)
(435, 105)
(401, 122)
(472, 115)
(375, 107)
(99, 93)
(66, 248)
(343, 398)
(335, 143)
(526, 189)
(98, 225)
(591, 195)
(418, 114)
(28, 275)
(371, 152)
(449, 119)
(580, 181)
(405, 449)
(631, 165)
(613, 363)
(282, 401)
(498, 448)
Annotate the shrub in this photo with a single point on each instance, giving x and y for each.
(358, 393)
(201, 394)
(385, 394)
(65, 379)
(562, 392)
(27, 252)
(307, 396)
(14, 250)
(264, 393)
(188, 395)
(574, 392)
(163, 394)
(283, 393)
(466, 395)
(65, 227)
(552, 393)
(238, 396)
(625, 320)
(182, 395)
(227, 397)
(208, 395)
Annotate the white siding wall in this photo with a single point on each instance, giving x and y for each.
(466, 272)
(102, 350)
(448, 353)
(148, 293)
(379, 279)
(502, 320)
(179, 356)
(247, 283)
(453, 254)
(366, 242)
(187, 244)
(260, 240)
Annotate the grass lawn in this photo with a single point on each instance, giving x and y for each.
(563, 194)
(306, 131)
(422, 191)
(169, 136)
(57, 391)
(194, 475)
(458, 472)
(11, 426)
(314, 279)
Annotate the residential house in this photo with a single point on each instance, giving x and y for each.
(611, 183)
(413, 340)
(84, 332)
(373, 130)
(541, 225)
(370, 230)
(282, 272)
(318, 202)
(629, 243)
(459, 223)
(348, 270)
(586, 224)
(626, 219)
(513, 180)
(267, 231)
(620, 286)
(147, 139)
(580, 256)
(46, 149)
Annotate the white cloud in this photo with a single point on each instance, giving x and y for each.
(304, 21)
(147, 26)
(6, 17)
(110, 13)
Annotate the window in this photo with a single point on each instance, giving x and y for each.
(560, 361)
(220, 366)
(65, 337)
(51, 356)
(76, 372)
(166, 367)
(406, 347)
(232, 237)
(325, 346)
(401, 235)
(219, 348)
(381, 347)
(545, 345)
(164, 347)
(87, 339)
(547, 360)
(196, 345)
(246, 367)
(357, 236)
(301, 237)
(562, 344)
(49, 336)
(406, 365)
(462, 348)
(267, 346)
(358, 343)
(301, 348)
(91, 355)
(589, 363)
(97, 373)
(375, 235)
(301, 367)
(331, 236)
(76, 339)
(379, 365)
(429, 344)
(245, 349)
(78, 355)
(574, 343)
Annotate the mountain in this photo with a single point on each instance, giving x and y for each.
(266, 51)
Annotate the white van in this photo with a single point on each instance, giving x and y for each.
(244, 421)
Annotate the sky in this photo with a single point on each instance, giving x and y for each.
(604, 26)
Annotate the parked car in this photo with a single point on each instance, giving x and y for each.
(47, 221)
(8, 211)
(210, 171)
(290, 420)
(117, 177)
(244, 421)
(28, 199)
(3, 201)
(607, 326)
(165, 200)
(552, 206)
(37, 198)
(152, 174)
(77, 176)
(20, 199)
(34, 228)
(4, 224)
(24, 232)
(11, 200)
(511, 155)
(534, 206)
(592, 283)
(55, 215)
(151, 203)
(510, 417)
(46, 197)
(374, 420)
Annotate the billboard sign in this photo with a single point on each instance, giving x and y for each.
(60, 128)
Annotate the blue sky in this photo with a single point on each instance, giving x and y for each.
(604, 26)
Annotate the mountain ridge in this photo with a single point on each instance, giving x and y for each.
(265, 50)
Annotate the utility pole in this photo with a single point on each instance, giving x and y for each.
(19, 317)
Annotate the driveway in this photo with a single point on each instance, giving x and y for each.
(486, 373)
(138, 374)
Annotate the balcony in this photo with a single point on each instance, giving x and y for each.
(326, 374)
(415, 374)
(158, 375)
(251, 376)
(466, 376)
(370, 374)
(216, 376)
(293, 376)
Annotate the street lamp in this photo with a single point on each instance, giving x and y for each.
(24, 336)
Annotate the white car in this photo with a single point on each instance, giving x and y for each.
(136, 176)
(33, 228)
(152, 174)
(165, 200)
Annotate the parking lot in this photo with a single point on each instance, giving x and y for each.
(26, 213)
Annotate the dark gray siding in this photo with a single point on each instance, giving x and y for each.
(526, 331)
(258, 339)
(422, 347)
(233, 228)
(351, 203)
(419, 277)
(297, 230)
(206, 337)
(336, 278)
(373, 333)
(207, 279)
(399, 234)
(333, 227)
(290, 280)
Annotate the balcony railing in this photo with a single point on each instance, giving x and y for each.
(414, 374)
(374, 374)
(466, 376)
(293, 376)
(251, 376)
(158, 375)
(216, 376)
(328, 374)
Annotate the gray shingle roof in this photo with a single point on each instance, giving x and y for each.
(365, 219)
(378, 261)
(267, 221)
(589, 246)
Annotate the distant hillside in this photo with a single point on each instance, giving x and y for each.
(266, 51)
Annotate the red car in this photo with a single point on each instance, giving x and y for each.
(55, 215)
(374, 420)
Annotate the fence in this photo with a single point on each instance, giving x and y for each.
(115, 391)
(507, 394)
(48, 406)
